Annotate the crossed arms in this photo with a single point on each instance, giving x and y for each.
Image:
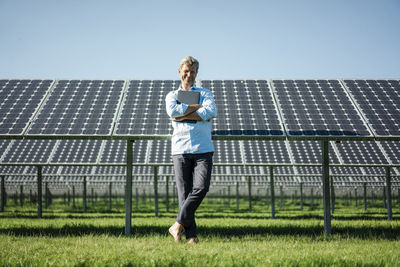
(190, 114)
(198, 112)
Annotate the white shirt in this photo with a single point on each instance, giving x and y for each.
(192, 137)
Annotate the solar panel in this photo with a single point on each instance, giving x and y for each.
(159, 151)
(3, 147)
(77, 170)
(265, 151)
(12, 170)
(245, 108)
(345, 170)
(114, 152)
(20, 99)
(392, 150)
(379, 102)
(227, 151)
(29, 151)
(143, 110)
(79, 108)
(366, 152)
(304, 151)
(318, 109)
(77, 151)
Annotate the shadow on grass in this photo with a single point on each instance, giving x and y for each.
(363, 232)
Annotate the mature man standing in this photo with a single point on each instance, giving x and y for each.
(192, 148)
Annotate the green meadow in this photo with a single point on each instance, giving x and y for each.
(66, 236)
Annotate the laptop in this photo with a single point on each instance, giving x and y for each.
(188, 98)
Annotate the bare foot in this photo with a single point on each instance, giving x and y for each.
(176, 231)
(192, 240)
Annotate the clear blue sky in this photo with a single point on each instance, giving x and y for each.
(114, 39)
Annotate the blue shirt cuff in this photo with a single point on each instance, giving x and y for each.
(202, 113)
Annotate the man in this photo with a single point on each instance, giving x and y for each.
(192, 148)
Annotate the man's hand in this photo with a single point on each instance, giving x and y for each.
(190, 114)
(192, 108)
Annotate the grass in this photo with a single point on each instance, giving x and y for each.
(68, 237)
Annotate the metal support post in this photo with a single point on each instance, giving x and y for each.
(333, 197)
(46, 195)
(137, 198)
(237, 196)
(156, 191)
(271, 181)
(355, 197)
(312, 198)
(92, 189)
(384, 197)
(39, 190)
(229, 196)
(388, 193)
(301, 197)
(325, 182)
(281, 196)
(3, 194)
(73, 196)
(365, 195)
(249, 187)
(174, 193)
(128, 188)
(110, 196)
(21, 195)
(84, 194)
(167, 193)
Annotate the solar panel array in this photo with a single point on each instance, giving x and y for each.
(98, 152)
(247, 109)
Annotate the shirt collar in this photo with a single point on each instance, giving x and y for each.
(191, 88)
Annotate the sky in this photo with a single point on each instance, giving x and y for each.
(252, 39)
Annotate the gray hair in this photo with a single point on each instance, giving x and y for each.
(190, 61)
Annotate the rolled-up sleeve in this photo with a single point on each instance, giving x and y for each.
(208, 109)
(173, 108)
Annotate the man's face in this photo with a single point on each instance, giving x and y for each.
(188, 74)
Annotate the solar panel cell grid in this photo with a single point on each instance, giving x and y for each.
(159, 151)
(77, 170)
(20, 100)
(379, 102)
(226, 151)
(29, 151)
(264, 151)
(245, 107)
(310, 152)
(79, 108)
(12, 169)
(114, 151)
(392, 150)
(77, 151)
(143, 108)
(374, 170)
(110, 170)
(318, 108)
(366, 152)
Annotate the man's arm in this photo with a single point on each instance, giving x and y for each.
(208, 110)
(190, 113)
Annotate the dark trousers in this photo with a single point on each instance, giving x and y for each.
(192, 175)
